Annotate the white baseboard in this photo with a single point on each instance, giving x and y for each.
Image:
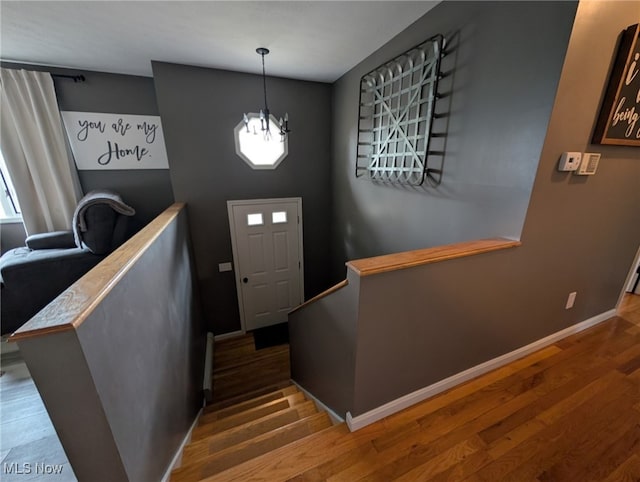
(367, 418)
(232, 334)
(335, 418)
(177, 458)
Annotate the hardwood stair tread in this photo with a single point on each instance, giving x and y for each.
(254, 447)
(286, 462)
(213, 417)
(238, 434)
(252, 402)
(228, 402)
(215, 426)
(251, 429)
(233, 389)
(254, 375)
(247, 358)
(240, 372)
(229, 343)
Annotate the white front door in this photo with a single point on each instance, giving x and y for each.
(267, 252)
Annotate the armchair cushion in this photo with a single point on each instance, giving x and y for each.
(21, 266)
(55, 240)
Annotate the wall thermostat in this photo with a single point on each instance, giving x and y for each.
(569, 161)
(589, 164)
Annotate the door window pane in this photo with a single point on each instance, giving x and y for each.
(255, 219)
(279, 217)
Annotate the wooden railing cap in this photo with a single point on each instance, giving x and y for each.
(411, 259)
(324, 294)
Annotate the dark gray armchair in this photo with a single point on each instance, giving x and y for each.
(32, 276)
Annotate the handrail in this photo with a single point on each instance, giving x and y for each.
(327, 292)
(410, 259)
(69, 310)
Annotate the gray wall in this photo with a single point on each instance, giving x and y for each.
(125, 386)
(323, 337)
(580, 234)
(200, 108)
(148, 191)
(505, 60)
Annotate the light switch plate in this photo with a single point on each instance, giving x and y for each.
(222, 267)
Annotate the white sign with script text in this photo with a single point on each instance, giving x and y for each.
(115, 141)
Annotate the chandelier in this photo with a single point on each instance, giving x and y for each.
(265, 123)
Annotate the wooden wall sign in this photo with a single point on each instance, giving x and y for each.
(115, 141)
(619, 119)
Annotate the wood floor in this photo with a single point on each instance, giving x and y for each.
(240, 370)
(570, 412)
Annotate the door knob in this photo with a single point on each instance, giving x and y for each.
(245, 280)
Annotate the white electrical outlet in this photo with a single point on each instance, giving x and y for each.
(569, 161)
(571, 300)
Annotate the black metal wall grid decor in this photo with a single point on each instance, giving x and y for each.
(396, 114)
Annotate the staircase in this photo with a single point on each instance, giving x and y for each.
(232, 432)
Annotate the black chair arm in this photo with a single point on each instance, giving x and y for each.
(55, 240)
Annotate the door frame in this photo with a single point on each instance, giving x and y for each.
(234, 244)
(630, 276)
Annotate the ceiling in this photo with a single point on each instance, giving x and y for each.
(309, 40)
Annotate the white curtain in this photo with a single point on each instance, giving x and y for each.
(34, 149)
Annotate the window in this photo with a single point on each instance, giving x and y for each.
(9, 207)
(257, 150)
(255, 219)
(279, 217)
